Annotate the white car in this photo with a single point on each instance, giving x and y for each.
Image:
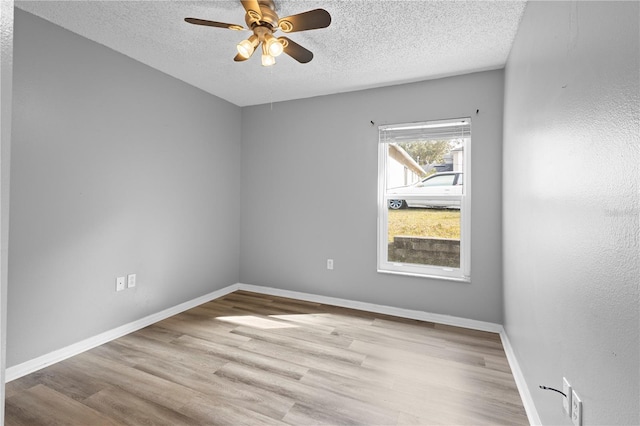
(445, 183)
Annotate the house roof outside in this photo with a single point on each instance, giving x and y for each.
(401, 156)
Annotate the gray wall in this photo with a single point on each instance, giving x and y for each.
(116, 169)
(571, 156)
(309, 192)
(6, 83)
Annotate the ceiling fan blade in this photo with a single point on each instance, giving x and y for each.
(253, 9)
(296, 51)
(206, 23)
(311, 20)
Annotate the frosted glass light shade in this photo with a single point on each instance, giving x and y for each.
(268, 60)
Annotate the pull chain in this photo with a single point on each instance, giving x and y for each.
(271, 85)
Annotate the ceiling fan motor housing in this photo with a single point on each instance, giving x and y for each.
(268, 16)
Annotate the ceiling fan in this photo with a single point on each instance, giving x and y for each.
(263, 21)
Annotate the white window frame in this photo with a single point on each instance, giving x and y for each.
(463, 273)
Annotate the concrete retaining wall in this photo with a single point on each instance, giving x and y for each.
(425, 251)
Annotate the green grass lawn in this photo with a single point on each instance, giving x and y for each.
(437, 223)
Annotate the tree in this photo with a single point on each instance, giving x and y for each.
(428, 152)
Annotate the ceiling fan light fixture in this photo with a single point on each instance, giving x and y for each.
(267, 59)
(274, 47)
(246, 47)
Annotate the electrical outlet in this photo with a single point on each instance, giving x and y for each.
(576, 409)
(566, 402)
(329, 263)
(131, 280)
(119, 283)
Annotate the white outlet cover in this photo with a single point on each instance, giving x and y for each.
(131, 280)
(120, 282)
(566, 402)
(329, 263)
(576, 409)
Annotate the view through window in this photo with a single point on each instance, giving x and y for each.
(424, 186)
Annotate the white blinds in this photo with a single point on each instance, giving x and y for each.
(427, 130)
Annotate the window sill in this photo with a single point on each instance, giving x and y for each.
(433, 276)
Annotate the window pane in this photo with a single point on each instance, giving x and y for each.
(425, 236)
(434, 167)
(443, 180)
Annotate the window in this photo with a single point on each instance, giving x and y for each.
(423, 199)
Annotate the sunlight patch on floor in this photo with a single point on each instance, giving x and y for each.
(257, 322)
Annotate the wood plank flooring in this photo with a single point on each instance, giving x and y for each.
(250, 359)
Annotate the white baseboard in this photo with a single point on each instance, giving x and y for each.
(380, 309)
(521, 383)
(43, 361)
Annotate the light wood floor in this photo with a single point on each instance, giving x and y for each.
(249, 359)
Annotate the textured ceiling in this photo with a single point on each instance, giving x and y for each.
(369, 43)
